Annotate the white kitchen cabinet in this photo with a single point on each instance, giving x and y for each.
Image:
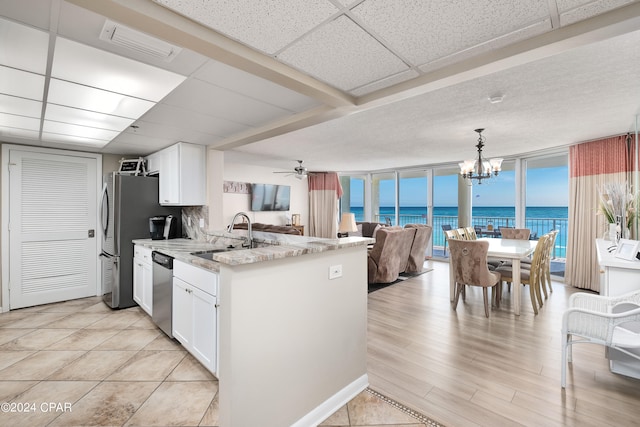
(153, 162)
(143, 278)
(195, 323)
(182, 328)
(182, 171)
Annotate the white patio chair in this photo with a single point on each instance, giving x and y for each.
(608, 321)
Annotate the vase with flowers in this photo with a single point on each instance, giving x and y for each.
(618, 206)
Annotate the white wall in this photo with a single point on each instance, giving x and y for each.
(233, 203)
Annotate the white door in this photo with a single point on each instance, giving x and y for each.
(52, 227)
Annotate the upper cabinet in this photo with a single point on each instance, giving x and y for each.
(182, 169)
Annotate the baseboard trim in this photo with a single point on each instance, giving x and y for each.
(332, 404)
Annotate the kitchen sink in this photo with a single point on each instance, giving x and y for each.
(208, 254)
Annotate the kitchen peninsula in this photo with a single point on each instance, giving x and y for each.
(292, 319)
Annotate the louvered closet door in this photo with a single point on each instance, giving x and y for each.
(52, 210)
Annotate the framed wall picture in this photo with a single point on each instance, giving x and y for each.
(627, 249)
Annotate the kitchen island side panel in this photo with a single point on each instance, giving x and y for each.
(292, 341)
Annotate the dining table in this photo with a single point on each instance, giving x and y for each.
(506, 249)
(485, 232)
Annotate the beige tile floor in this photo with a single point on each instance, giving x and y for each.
(79, 363)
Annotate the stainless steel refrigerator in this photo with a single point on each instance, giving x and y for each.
(128, 202)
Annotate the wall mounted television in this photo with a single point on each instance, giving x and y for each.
(270, 197)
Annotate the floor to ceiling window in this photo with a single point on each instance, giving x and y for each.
(538, 200)
(383, 198)
(547, 201)
(413, 190)
(445, 205)
(494, 201)
(353, 199)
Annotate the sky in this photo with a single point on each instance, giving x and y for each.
(545, 187)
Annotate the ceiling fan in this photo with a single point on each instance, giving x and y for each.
(299, 171)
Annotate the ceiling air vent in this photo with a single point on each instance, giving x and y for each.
(135, 40)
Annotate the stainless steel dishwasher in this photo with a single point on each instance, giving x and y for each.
(162, 291)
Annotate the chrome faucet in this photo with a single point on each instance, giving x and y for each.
(248, 244)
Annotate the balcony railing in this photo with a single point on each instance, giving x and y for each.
(538, 227)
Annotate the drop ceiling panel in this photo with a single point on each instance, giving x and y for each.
(220, 74)
(88, 98)
(20, 106)
(73, 140)
(604, 5)
(199, 96)
(79, 24)
(28, 135)
(194, 120)
(86, 65)
(79, 131)
(21, 83)
(342, 54)
(389, 81)
(424, 31)
(577, 10)
(33, 12)
(23, 47)
(346, 2)
(497, 43)
(167, 132)
(80, 117)
(19, 122)
(264, 25)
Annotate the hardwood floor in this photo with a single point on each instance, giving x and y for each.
(462, 369)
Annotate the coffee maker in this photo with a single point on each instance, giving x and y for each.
(162, 227)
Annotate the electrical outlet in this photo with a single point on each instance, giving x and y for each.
(189, 221)
(201, 222)
(335, 271)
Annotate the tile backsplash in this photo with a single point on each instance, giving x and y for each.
(191, 217)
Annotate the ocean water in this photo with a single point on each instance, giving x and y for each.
(540, 219)
(477, 211)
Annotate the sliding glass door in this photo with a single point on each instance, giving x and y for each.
(547, 201)
(353, 196)
(413, 191)
(383, 198)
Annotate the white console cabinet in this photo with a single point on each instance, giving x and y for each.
(618, 277)
(195, 322)
(182, 170)
(143, 278)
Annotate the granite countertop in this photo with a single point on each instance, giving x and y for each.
(270, 246)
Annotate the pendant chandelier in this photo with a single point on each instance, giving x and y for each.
(480, 168)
